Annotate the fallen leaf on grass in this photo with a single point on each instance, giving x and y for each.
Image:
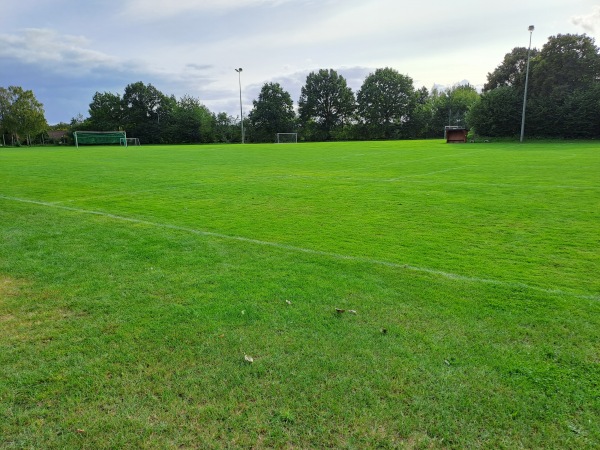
(248, 359)
(288, 302)
(351, 311)
(339, 311)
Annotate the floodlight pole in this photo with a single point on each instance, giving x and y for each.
(531, 28)
(239, 71)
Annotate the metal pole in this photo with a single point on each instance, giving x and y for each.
(531, 28)
(239, 71)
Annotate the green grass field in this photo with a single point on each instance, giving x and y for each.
(134, 282)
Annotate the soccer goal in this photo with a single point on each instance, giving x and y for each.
(126, 142)
(98, 137)
(287, 138)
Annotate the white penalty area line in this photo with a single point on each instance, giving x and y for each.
(292, 248)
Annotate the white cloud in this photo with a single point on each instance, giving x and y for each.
(589, 22)
(160, 9)
(44, 46)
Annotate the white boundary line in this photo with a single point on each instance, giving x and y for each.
(361, 259)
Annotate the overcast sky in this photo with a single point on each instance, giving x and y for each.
(66, 50)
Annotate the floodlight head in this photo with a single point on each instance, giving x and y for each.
(531, 28)
(238, 70)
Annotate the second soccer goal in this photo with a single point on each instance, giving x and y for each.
(287, 138)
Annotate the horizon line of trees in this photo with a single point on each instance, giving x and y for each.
(563, 101)
(386, 107)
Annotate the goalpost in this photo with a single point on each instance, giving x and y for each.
(287, 138)
(126, 142)
(99, 137)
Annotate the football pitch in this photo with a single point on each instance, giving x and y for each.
(407, 294)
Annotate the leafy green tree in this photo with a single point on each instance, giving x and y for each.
(22, 115)
(511, 72)
(563, 88)
(5, 102)
(422, 114)
(497, 113)
(146, 112)
(450, 107)
(226, 130)
(273, 113)
(563, 95)
(106, 112)
(581, 113)
(326, 103)
(386, 102)
(191, 122)
(567, 62)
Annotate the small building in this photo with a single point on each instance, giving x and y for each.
(58, 137)
(455, 135)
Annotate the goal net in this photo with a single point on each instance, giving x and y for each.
(287, 138)
(98, 137)
(126, 142)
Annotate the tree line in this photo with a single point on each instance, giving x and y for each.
(387, 107)
(563, 101)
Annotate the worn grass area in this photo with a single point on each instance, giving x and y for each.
(133, 282)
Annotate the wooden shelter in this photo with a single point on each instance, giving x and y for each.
(455, 135)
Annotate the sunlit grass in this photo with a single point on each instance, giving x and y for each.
(132, 284)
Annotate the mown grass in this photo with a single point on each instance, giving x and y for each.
(132, 284)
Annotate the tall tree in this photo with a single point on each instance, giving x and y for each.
(5, 102)
(450, 107)
(21, 113)
(511, 72)
(226, 129)
(497, 113)
(145, 108)
(422, 114)
(567, 62)
(273, 113)
(563, 95)
(326, 102)
(386, 102)
(106, 112)
(191, 122)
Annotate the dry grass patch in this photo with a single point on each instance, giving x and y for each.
(21, 318)
(9, 288)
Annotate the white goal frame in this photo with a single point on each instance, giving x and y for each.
(126, 142)
(102, 136)
(293, 138)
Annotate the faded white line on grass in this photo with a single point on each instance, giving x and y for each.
(360, 259)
